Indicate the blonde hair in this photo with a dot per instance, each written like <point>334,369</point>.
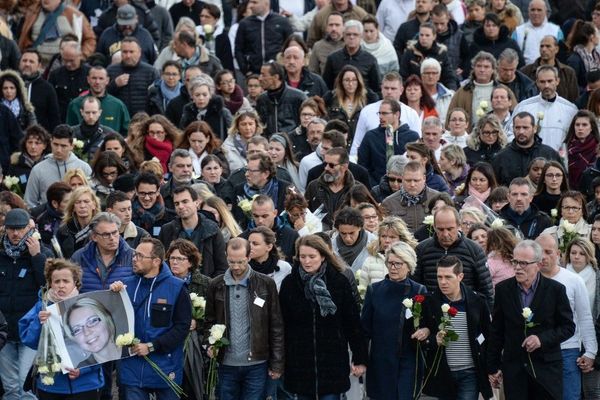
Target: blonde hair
<point>76,173</point>
<point>397,225</point>
<point>227,219</point>
<point>76,195</point>
<point>405,252</point>
<point>245,113</point>
<point>472,212</point>
<point>455,154</point>
<point>588,250</point>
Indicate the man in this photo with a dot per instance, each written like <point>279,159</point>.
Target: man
<point>148,206</point>
<point>461,362</point>
<point>584,322</point>
<point>10,54</point>
<point>298,76</point>
<point>521,86</point>
<point>175,107</point>
<point>70,79</point>
<point>332,186</point>
<point>54,166</point>
<point>521,213</point>
<point>90,131</point>
<point>567,84</point>
<point>193,226</point>
<point>180,166</point>
<point>409,29</point>
<point>144,18</point>
<point>260,36</point>
<point>52,215</point>
<point>190,53</point>
<point>554,112</point>
<point>448,240</point>
<point>350,239</point>
<point>410,202</point>
<point>529,34</point>
<point>434,137</point>
<point>119,204</point>
<point>40,93</point>
<point>186,8</point>
<point>246,302</point>
<point>391,88</point>
<point>449,34</point>
<point>306,140</point>
<point>352,54</point>
<point>330,43</point>
<point>391,182</point>
<point>162,337</point>
<point>22,259</point>
<point>345,8</point>
<point>107,257</point>
<point>130,79</point>
<point>58,19</point>
<point>431,71</point>
<point>330,140</point>
<point>528,359</point>
<point>391,14</point>
<point>114,111</point>
<point>265,214</point>
<point>375,150</point>
<point>501,106</point>
<point>279,106</point>
<point>127,25</point>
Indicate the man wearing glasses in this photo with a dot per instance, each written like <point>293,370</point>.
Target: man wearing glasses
<point>148,206</point>
<point>531,318</point>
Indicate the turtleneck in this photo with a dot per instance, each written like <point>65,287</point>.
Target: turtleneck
<point>89,130</point>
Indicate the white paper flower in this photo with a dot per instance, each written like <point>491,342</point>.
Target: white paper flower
<point>408,303</point>
<point>208,29</point>
<point>497,223</point>
<point>445,307</point>
<point>527,313</point>
<point>540,116</point>
<point>567,226</point>
<point>48,380</point>
<point>483,105</point>
<point>554,212</point>
<point>428,220</point>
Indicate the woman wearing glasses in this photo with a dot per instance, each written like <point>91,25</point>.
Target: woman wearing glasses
<point>571,208</point>
<point>156,137</point>
<point>108,166</point>
<point>552,183</point>
<point>246,124</point>
<point>390,328</point>
<point>486,140</point>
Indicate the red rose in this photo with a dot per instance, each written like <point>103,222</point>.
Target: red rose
<point>452,311</point>
<point>419,298</point>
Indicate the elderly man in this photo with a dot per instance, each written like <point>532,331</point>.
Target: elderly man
<point>345,8</point>
<point>352,54</point>
<point>330,43</point>
<point>434,137</point>
<point>554,113</point>
<point>431,72</point>
<point>522,87</point>
<point>567,85</point>
<point>448,240</point>
<point>529,35</point>
<point>298,76</point>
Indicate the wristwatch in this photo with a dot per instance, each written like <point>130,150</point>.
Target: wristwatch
<point>150,347</point>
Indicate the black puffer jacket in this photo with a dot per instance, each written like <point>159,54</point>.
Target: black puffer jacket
<point>316,347</point>
<point>383,190</point>
<point>133,94</point>
<point>312,84</point>
<point>513,160</point>
<point>217,116</point>
<point>485,153</point>
<point>477,274</point>
<point>279,110</point>
<point>175,107</point>
<point>413,56</point>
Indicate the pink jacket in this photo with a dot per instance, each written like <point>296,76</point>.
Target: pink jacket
<point>500,269</point>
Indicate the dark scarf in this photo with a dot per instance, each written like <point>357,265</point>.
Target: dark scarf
<point>236,100</point>
<point>271,189</point>
<point>267,267</point>
<point>275,95</point>
<point>316,291</point>
<point>581,156</point>
<point>409,199</point>
<point>55,218</point>
<point>161,150</point>
<point>349,253</point>
<point>14,251</point>
<point>147,218</point>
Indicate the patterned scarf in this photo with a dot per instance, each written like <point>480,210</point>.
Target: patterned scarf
<point>147,218</point>
<point>14,251</point>
<point>235,100</point>
<point>409,199</point>
<point>316,291</point>
<point>271,189</point>
<point>14,105</point>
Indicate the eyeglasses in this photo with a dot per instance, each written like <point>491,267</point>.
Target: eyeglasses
<point>384,113</point>
<point>554,176</point>
<point>228,81</point>
<point>522,264</point>
<point>490,133</point>
<point>107,235</point>
<point>89,323</point>
<point>253,170</point>
<point>109,174</point>
<point>177,260</point>
<point>147,194</point>
<point>458,120</point>
<point>331,165</point>
<point>571,209</point>
<point>141,256</point>
<point>395,264</point>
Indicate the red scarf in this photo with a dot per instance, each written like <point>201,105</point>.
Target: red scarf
<point>581,155</point>
<point>236,100</point>
<point>160,150</point>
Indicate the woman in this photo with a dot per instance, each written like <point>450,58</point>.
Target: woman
<point>582,145</point>
<point>74,232</point>
<point>265,257</point>
<point>296,212</point>
<point>479,234</point>
<point>281,152</point>
<point>206,106</point>
<point>212,172</point>
<point>509,14</point>
<point>500,245</point>
<point>311,108</point>
<point>571,208</point>
<point>232,93</point>
<point>358,194</point>
<point>107,168</point>
<point>76,178</point>
<point>85,319</point>
<point>217,42</point>
<point>371,215</point>
<point>320,328</point>
<point>379,46</point>
<point>115,142</point>
<point>165,89</point>
<point>458,123</point>
<point>534,172</point>
<point>417,97</point>
<point>393,355</point>
<point>486,140</point>
<point>63,280</point>
<point>553,182</point>
<point>390,231</point>
<point>479,184</point>
<point>200,141</point>
<point>157,137</point>
<point>245,125</point>
<point>454,164</point>
<point>14,96</point>
<point>469,217</point>
<point>348,97</point>
<point>582,42</point>
<point>34,146</point>
<point>419,152</point>
<point>228,225</point>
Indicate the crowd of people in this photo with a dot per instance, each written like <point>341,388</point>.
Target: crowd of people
<point>377,198</point>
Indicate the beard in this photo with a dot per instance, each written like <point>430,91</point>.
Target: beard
<point>329,178</point>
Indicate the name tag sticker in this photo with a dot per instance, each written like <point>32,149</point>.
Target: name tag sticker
<point>162,301</point>
<point>156,231</point>
<point>259,302</point>
<point>23,179</point>
<point>480,338</point>
<point>22,273</point>
<point>408,313</point>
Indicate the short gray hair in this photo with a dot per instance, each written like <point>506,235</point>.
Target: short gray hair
<point>508,55</point>
<point>405,252</point>
<point>317,120</point>
<point>531,244</point>
<point>484,56</point>
<point>544,68</point>
<point>432,121</point>
<point>104,217</point>
<point>352,23</point>
<point>202,80</point>
<point>181,153</point>
<point>455,153</point>
<point>396,164</point>
<point>431,63</point>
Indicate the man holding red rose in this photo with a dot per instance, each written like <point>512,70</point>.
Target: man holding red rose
<point>461,373</point>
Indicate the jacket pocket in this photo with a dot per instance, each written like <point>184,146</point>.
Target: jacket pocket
<point>160,314</point>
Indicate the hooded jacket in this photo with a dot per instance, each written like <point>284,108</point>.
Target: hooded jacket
<point>495,47</point>
<point>217,116</point>
<point>413,56</point>
<point>26,116</point>
<point>48,171</point>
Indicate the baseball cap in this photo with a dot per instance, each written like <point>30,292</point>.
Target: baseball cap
<point>126,15</point>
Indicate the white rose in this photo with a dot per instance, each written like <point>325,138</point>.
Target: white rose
<point>36,235</point>
<point>480,113</point>
<point>196,303</point>
<point>193,296</point>
<point>208,29</point>
<point>48,380</point>
<point>78,144</point>
<point>357,274</point>
<point>124,339</point>
<point>408,303</point>
<point>216,331</point>
<point>428,220</point>
<point>567,226</point>
<point>497,223</point>
<point>554,212</point>
<point>540,116</point>
<point>202,302</point>
<point>212,340</point>
<point>8,182</point>
<point>527,312</point>
<point>445,307</point>
<point>483,104</point>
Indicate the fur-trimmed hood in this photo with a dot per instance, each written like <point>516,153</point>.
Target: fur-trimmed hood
<point>21,91</point>
<point>436,48</point>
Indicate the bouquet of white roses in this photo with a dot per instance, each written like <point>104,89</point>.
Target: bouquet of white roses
<point>569,232</point>
<point>198,306</point>
<point>78,146</point>
<point>216,340</point>
<point>47,361</point>
<point>245,205</point>
<point>13,184</point>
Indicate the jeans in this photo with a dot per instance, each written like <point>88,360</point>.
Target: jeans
<point>406,376</point>
<point>571,375</point>
<point>15,361</point>
<point>324,397</point>
<point>242,383</point>
<point>591,385</point>
<point>137,393</point>
<point>466,384</point>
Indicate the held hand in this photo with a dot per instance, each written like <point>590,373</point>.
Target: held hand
<point>421,334</point>
<point>495,379</point>
<point>140,349</point>
<point>299,224</point>
<point>122,80</point>
<point>43,316</point>
<point>73,373</point>
<point>585,364</point>
<point>211,352</point>
<point>117,286</point>
<point>274,375</point>
<point>439,338</point>
<point>358,370</point>
<point>531,343</point>
<point>33,245</point>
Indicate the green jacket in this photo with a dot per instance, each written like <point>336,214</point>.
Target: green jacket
<point>114,113</point>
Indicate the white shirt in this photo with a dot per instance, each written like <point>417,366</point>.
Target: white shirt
<point>391,14</point>
<point>306,164</point>
<point>529,36</point>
